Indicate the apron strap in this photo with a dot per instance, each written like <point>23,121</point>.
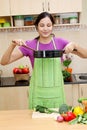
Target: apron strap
<point>55,48</point>
<point>37,48</point>
<point>54,44</point>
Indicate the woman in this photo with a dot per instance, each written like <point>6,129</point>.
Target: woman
<point>45,41</point>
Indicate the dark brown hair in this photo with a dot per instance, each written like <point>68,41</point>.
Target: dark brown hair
<point>43,15</point>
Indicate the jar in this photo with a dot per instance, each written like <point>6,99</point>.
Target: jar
<point>28,21</point>
<point>57,19</point>
<point>19,20</point>
<point>73,20</point>
<point>6,24</point>
<point>65,20</point>
<point>2,20</point>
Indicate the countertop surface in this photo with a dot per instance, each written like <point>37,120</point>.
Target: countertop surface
<point>10,81</point>
<point>22,120</point>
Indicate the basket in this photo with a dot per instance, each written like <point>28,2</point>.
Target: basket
<point>19,77</point>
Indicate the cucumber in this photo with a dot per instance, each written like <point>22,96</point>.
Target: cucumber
<point>85,115</point>
<point>81,99</point>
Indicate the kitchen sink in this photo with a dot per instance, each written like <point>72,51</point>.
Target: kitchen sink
<point>81,77</point>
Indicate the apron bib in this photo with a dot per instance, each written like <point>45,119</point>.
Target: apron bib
<point>46,84</point>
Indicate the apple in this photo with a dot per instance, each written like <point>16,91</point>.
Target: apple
<point>21,66</point>
<point>17,71</point>
<point>25,70</point>
<point>21,70</point>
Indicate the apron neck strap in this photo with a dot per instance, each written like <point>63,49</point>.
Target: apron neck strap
<point>53,42</point>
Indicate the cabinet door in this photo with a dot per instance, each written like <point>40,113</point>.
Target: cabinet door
<point>27,7</point>
<point>63,6</point>
<point>4,8</point>
<point>13,98</point>
<point>68,94</point>
<point>75,94</point>
<point>71,93</point>
<point>82,90</point>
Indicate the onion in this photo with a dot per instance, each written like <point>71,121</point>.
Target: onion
<point>60,119</point>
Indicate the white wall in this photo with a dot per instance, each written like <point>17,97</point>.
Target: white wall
<point>78,64</point>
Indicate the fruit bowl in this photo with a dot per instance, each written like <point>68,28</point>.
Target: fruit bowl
<point>21,73</point>
<point>19,77</point>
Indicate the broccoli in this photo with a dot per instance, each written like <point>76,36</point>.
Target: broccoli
<point>63,108</point>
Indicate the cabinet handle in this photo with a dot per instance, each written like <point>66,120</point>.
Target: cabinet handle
<point>48,6</point>
<point>43,6</point>
<point>81,92</point>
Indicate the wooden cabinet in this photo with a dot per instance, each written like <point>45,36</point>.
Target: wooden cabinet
<point>10,8</point>
<point>63,6</point>
<point>4,8</point>
<point>68,94</point>
<point>28,7</point>
<point>75,91</point>
<point>71,94</point>
<point>17,97</point>
<point>14,98</point>
<point>83,90</point>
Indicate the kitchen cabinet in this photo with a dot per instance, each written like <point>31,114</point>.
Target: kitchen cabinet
<point>71,94</point>
<point>29,7</point>
<point>63,6</point>
<point>82,90</point>
<point>4,8</point>
<point>10,8</point>
<point>14,98</point>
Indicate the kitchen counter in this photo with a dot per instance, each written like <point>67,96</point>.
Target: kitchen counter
<point>10,81</point>
<point>22,120</point>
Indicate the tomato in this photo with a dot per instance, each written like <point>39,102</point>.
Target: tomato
<point>69,116</point>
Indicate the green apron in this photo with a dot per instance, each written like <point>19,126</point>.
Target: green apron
<point>46,84</point>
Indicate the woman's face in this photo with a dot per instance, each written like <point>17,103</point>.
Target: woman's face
<point>45,27</point>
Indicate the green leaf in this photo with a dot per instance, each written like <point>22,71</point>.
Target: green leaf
<point>66,62</point>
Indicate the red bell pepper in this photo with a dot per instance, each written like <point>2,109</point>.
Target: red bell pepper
<point>68,116</point>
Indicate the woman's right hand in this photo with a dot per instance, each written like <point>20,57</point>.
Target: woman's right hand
<point>18,42</point>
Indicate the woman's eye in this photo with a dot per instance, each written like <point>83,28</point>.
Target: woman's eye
<point>49,25</point>
<point>41,25</point>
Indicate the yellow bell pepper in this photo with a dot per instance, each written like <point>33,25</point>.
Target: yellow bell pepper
<point>78,110</point>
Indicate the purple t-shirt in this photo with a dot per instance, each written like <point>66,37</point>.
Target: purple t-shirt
<point>59,42</point>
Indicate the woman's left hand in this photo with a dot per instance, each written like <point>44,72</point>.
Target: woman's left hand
<point>70,47</point>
